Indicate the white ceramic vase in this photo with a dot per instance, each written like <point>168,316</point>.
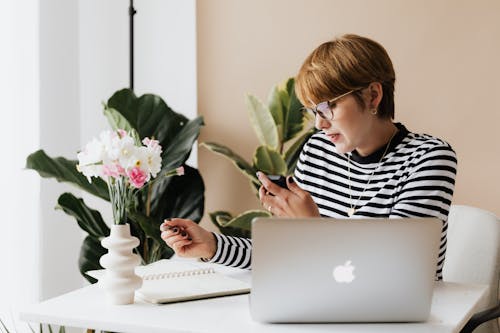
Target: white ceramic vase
<point>120,280</point>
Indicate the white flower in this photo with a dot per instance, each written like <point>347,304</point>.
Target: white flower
<point>115,154</point>
<point>90,159</point>
<point>125,152</point>
<point>153,154</point>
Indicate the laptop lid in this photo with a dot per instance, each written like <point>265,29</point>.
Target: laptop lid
<point>333,270</point>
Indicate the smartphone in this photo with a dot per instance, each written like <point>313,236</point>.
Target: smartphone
<point>278,180</point>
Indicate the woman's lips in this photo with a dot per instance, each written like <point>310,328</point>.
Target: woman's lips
<point>334,137</point>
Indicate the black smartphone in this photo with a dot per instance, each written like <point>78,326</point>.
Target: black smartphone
<point>278,180</point>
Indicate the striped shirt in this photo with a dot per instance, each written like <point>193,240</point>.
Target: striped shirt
<point>415,178</point>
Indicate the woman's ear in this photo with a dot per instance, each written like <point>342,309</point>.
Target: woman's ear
<point>376,93</point>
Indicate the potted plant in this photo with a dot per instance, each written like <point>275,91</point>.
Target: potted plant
<point>281,127</point>
<point>148,116</point>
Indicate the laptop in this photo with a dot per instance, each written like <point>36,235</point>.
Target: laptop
<point>334,270</point>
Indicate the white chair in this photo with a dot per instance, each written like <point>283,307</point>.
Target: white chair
<point>473,256</point>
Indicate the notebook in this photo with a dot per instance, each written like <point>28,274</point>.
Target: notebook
<point>330,270</point>
<point>169,281</point>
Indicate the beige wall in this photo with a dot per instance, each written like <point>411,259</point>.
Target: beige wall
<point>446,55</point>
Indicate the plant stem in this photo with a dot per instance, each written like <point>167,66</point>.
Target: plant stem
<point>148,213</point>
<point>148,200</point>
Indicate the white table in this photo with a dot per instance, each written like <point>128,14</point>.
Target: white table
<point>452,305</point>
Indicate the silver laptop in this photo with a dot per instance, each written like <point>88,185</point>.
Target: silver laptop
<point>331,270</point>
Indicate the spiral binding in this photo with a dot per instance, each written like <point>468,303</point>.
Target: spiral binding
<point>169,275</point>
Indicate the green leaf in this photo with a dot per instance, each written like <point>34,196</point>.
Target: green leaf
<point>179,196</point>
<point>294,111</point>
<point>149,225</point>
<point>293,152</point>
<point>153,118</point>
<point>276,109</point>
<point>244,220</point>
<point>263,122</point>
<point>269,161</point>
<point>219,217</point>
<point>88,219</point>
<point>91,221</point>
<point>90,253</point>
<point>117,121</point>
<point>146,113</point>
<point>176,154</point>
<point>248,170</point>
<point>64,170</point>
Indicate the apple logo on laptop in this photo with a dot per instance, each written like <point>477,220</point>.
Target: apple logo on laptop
<point>344,273</point>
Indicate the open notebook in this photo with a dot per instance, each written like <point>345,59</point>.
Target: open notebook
<point>169,281</point>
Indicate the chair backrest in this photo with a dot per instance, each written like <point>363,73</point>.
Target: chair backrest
<point>473,253</point>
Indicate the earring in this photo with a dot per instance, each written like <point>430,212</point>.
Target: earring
<point>374,111</point>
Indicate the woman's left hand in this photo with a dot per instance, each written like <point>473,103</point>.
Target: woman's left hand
<point>291,202</point>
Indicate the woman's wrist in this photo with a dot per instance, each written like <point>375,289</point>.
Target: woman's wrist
<point>212,248</point>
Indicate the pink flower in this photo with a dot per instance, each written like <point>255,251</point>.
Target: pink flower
<point>113,170</point>
<point>137,177</point>
<point>180,171</point>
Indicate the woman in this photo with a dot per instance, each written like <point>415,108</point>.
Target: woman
<point>360,163</point>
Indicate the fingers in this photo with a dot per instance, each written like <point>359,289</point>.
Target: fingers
<point>265,199</point>
<point>176,238</point>
<point>174,235</point>
<point>173,230</point>
<point>176,222</point>
<point>292,186</point>
<point>269,185</point>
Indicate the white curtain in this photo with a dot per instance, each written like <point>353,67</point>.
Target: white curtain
<point>19,271</point>
<point>59,59</point>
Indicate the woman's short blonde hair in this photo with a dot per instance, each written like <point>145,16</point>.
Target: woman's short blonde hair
<point>343,64</point>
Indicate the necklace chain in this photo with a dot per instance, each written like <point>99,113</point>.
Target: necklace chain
<point>352,210</point>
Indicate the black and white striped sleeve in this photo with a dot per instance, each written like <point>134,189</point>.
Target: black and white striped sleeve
<point>232,251</point>
<point>428,190</point>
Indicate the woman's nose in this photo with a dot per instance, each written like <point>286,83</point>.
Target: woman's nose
<point>321,123</point>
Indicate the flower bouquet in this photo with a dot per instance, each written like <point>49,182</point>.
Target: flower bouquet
<point>126,166</point>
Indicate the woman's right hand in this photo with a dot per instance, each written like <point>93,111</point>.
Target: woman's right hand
<point>188,239</point>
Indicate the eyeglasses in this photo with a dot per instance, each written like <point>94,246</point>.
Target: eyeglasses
<point>325,109</point>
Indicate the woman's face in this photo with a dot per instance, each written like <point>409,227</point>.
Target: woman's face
<point>351,125</point>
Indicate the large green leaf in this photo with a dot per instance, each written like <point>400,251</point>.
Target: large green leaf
<point>276,108</point>
<point>117,121</point>
<point>219,217</point>
<point>286,110</point>
<point>88,219</point>
<point>179,196</point>
<point>64,170</point>
<point>248,170</point>
<point>149,225</point>
<point>176,154</point>
<point>263,122</point>
<point>244,221</point>
<point>269,161</point>
<point>90,253</point>
<point>294,111</point>
<point>153,118</point>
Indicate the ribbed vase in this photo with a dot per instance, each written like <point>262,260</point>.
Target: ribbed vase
<point>120,280</point>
